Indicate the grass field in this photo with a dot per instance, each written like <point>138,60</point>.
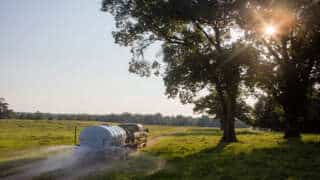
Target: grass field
<point>185,152</point>
<point>17,136</point>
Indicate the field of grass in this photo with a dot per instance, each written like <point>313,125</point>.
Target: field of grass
<point>18,136</point>
<point>185,152</point>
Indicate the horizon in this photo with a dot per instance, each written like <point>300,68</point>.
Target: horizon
<point>121,113</point>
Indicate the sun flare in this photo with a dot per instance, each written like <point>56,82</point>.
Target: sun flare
<point>270,30</point>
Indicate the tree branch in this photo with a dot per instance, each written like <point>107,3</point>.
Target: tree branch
<point>272,51</point>
<point>211,41</point>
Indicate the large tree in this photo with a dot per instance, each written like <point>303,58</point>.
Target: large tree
<point>287,34</point>
<point>198,52</point>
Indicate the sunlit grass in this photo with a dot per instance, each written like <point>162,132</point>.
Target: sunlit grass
<point>188,152</point>
<point>196,154</point>
<point>18,137</point>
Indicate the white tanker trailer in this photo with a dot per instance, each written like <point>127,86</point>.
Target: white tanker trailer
<point>114,137</point>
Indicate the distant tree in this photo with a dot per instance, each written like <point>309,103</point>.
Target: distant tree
<point>197,49</point>
<point>287,34</point>
<point>312,120</point>
<point>38,115</point>
<point>5,112</point>
<point>211,105</point>
<point>268,114</point>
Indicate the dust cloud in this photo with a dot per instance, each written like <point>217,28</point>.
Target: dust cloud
<point>74,162</point>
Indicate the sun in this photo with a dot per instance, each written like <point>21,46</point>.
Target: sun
<point>270,30</point>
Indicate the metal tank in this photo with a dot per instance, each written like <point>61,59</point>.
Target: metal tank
<point>102,137</point>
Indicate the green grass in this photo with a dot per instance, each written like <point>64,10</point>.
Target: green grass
<point>23,138</point>
<point>19,136</point>
<point>197,154</point>
<point>182,152</point>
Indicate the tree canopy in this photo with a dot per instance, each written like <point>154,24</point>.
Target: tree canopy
<point>198,52</point>
<point>290,55</point>
<point>204,63</point>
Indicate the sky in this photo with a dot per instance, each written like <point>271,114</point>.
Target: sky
<point>59,56</point>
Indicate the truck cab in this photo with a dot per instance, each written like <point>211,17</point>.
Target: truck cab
<point>136,135</point>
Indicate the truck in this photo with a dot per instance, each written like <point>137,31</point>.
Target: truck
<point>104,137</point>
<point>137,135</point>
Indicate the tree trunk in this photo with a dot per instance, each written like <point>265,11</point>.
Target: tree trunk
<point>229,134</point>
<point>292,122</point>
<point>293,100</point>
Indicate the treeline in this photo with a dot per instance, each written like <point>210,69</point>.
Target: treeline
<point>151,119</point>
<point>266,114</point>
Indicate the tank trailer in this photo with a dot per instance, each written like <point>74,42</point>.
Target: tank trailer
<point>106,137</point>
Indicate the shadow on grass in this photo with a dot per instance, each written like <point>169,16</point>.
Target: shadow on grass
<point>291,160</point>
<point>288,160</point>
<point>209,132</point>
